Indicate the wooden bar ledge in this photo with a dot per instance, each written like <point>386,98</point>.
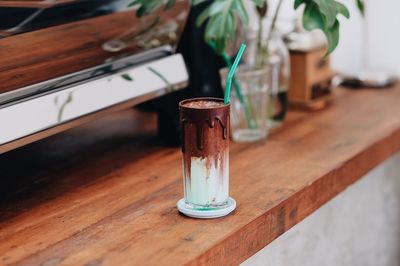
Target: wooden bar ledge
<point>105,193</point>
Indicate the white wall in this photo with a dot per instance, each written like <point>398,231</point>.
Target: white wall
<point>378,35</point>
<point>359,227</point>
<point>381,42</point>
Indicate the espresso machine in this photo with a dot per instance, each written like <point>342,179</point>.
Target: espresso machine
<point>68,62</point>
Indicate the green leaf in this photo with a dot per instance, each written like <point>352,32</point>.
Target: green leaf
<point>298,3</point>
<point>127,77</point>
<point>213,9</point>
<point>170,87</point>
<point>232,22</point>
<point>221,17</point>
<point>361,6</point>
<point>312,17</point>
<point>328,10</point>
<point>202,17</point>
<point>332,35</point>
<point>239,8</point>
<point>216,8</point>
<point>322,15</point>
<point>258,2</point>
<point>342,9</point>
<point>141,11</point>
<point>217,31</point>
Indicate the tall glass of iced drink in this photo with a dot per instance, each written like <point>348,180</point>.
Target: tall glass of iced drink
<point>205,148</point>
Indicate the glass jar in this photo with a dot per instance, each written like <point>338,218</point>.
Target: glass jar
<point>205,150</point>
<point>271,52</point>
<point>279,62</point>
<point>249,103</point>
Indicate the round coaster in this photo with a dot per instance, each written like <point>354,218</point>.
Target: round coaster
<point>206,214</point>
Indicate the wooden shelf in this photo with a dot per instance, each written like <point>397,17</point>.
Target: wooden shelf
<point>105,193</point>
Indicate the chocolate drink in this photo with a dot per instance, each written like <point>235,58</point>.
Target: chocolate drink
<point>205,148</point>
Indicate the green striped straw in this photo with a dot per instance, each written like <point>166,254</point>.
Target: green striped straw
<point>232,73</point>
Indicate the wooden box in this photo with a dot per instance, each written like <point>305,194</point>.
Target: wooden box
<point>310,78</point>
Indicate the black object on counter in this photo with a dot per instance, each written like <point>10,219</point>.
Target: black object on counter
<point>369,80</point>
<point>204,81</point>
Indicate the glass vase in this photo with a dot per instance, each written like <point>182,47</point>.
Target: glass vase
<point>205,150</point>
<point>249,103</point>
<point>279,64</point>
<point>271,52</point>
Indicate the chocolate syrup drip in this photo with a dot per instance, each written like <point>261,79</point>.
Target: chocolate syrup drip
<point>200,118</point>
<point>205,135</point>
<point>224,128</point>
<point>183,123</point>
<point>199,136</point>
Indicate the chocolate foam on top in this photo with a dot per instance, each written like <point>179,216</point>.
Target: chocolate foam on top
<point>204,130</point>
<point>201,104</point>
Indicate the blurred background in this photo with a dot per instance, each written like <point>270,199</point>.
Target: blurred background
<point>371,41</point>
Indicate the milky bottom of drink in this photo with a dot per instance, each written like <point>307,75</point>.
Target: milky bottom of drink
<point>208,183</point>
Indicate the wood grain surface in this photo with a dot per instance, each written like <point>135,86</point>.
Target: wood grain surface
<point>105,193</point>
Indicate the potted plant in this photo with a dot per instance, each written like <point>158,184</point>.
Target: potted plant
<point>221,17</point>
<point>219,21</point>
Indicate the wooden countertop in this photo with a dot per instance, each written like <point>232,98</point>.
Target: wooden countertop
<point>105,193</point>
